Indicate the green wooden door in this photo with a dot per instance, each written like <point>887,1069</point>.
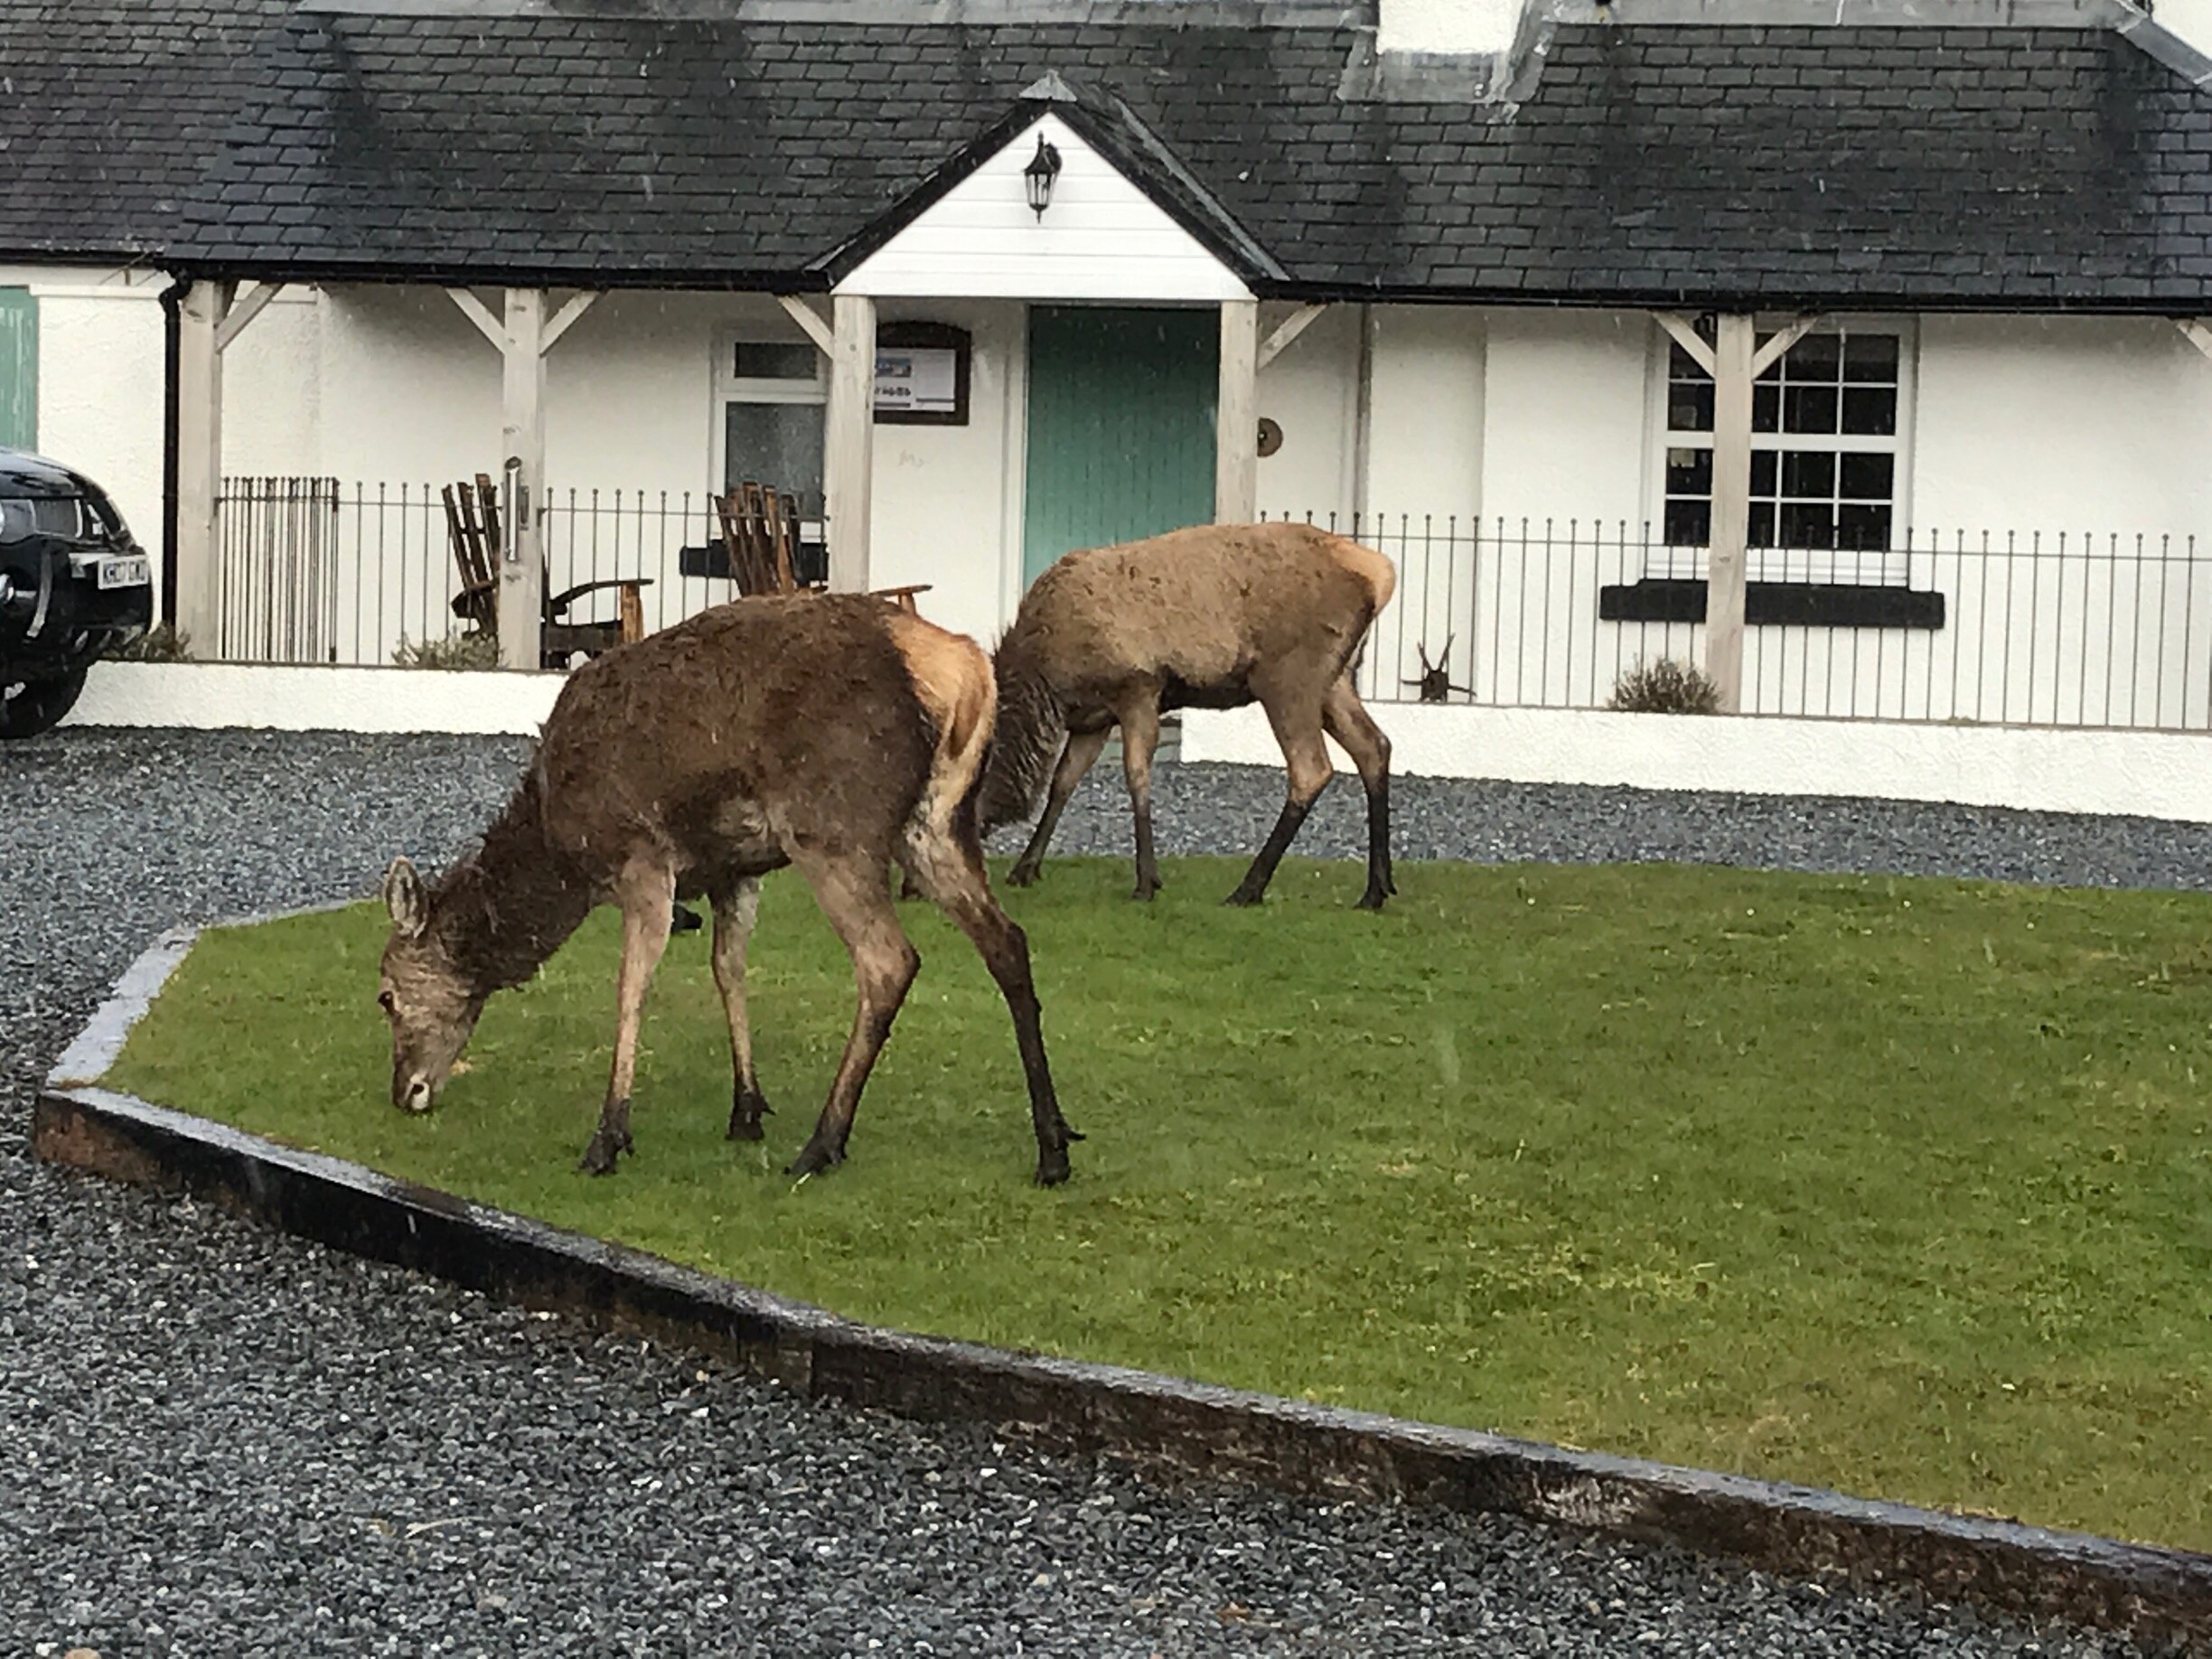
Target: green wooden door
<point>18,368</point>
<point>1120,427</point>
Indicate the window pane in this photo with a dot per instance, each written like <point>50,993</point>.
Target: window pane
<point>1870,411</point>
<point>761,361</point>
<point>1765,409</point>
<point>1690,406</point>
<point>1816,357</point>
<point>1762,525</point>
<point>1809,408</point>
<point>1689,524</point>
<point>1867,478</point>
<point>1762,472</point>
<point>1681,366</point>
<point>779,444</point>
<point>1871,357</point>
<point>1808,471</point>
<point>1807,525</point>
<point>1689,472</point>
<point>1862,528</point>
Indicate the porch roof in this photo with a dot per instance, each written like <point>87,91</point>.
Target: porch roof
<point>1674,164</point>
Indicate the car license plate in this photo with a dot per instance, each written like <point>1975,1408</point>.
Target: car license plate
<point>136,572</point>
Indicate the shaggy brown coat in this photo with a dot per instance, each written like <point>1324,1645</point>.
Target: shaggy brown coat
<point>1215,616</point>
<point>832,733</point>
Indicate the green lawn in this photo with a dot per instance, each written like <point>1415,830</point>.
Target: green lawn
<point>1898,1186</point>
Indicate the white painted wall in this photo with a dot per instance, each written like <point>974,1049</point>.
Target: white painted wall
<point>100,380</point>
<point>1101,239</point>
<point>269,698</point>
<point>2080,424</point>
<point>947,506</point>
<point>2156,774</point>
<point>1311,390</point>
<point>1446,26</point>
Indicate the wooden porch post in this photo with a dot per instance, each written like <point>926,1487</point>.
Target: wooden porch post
<point>1237,428</point>
<point>1732,509</point>
<point>210,317</point>
<point>521,578</point>
<point>848,453</point>
<point>198,551</point>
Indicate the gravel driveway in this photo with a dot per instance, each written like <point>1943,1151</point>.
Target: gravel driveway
<point>220,1440</point>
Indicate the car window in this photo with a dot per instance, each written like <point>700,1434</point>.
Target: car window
<point>42,516</point>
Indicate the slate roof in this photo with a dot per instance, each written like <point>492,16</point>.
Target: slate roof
<point>1670,164</point>
<point>106,112</point>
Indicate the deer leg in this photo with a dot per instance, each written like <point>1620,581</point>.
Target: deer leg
<point>1306,753</point>
<point>855,896</point>
<point>1346,718</point>
<point>948,863</point>
<point>735,907</point>
<point>1139,718</point>
<point>1083,751</point>
<point>647,894</point>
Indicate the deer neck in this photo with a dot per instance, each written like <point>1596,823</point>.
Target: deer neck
<point>513,901</point>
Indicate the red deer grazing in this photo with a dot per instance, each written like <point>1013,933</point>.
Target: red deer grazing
<point>1212,617</point>
<point>834,732</point>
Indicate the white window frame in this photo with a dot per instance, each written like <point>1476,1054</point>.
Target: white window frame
<point>1807,565</point>
<point>730,387</point>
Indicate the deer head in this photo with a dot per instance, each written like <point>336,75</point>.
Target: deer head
<point>431,1008</point>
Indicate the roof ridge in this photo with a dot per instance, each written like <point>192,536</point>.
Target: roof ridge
<point>1197,14</point>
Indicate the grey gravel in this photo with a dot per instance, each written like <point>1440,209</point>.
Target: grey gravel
<point>219,1439</point>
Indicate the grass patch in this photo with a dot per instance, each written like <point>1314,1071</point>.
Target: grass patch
<point>1898,1186</point>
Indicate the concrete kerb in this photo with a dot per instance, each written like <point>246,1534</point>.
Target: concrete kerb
<point>1169,1427</point>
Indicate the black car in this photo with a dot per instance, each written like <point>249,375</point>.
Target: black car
<point>74,586</point>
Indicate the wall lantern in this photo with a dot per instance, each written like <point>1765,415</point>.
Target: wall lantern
<point>1039,175</point>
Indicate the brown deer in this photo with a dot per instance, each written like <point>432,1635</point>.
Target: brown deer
<point>1216,616</point>
<point>832,733</point>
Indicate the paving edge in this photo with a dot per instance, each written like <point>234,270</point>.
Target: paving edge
<point>1167,1425</point>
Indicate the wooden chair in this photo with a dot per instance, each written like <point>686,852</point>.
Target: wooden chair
<point>473,527</point>
<point>760,532</point>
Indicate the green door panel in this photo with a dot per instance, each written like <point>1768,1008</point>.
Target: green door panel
<point>1120,427</point>
<point>18,368</point>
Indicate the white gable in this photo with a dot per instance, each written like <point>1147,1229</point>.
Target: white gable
<point>1102,238</point>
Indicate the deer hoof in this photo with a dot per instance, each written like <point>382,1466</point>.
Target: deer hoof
<point>1242,899</point>
<point>815,1158</point>
<point>1022,875</point>
<point>1373,898</point>
<point>1052,1166</point>
<point>747,1111</point>
<point>599,1157</point>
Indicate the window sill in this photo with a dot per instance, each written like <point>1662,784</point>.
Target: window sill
<point>1792,605</point>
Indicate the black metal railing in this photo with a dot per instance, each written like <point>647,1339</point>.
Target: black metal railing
<point>2060,628</point>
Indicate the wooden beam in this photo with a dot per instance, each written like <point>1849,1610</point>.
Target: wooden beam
<point>198,551</point>
<point>1769,354</point>
<point>1287,331</point>
<point>478,312</point>
<point>2198,333</point>
<point>1687,337</point>
<point>848,448</point>
<point>251,300</point>
<point>1730,541</point>
<point>565,318</point>
<point>1236,429</point>
<point>521,572</point>
<point>811,320</point>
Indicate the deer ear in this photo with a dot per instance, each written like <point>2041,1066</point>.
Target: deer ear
<point>406,898</point>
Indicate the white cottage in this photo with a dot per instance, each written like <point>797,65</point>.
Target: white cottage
<point>1887,311</point>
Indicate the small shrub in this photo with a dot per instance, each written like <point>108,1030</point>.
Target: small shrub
<point>467,650</point>
<point>1666,686</point>
<point>160,644</point>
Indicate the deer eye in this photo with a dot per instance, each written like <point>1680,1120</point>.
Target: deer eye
<point>384,1001</point>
